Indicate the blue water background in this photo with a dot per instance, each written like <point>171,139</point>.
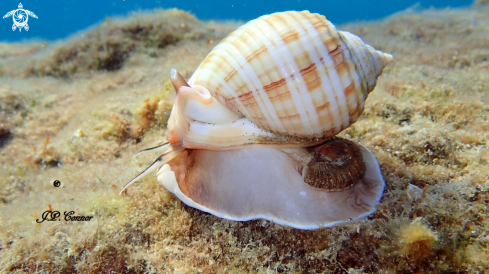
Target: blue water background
<point>60,19</point>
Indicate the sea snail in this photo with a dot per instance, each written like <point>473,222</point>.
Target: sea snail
<point>252,133</point>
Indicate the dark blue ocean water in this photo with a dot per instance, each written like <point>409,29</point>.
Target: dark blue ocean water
<point>59,19</point>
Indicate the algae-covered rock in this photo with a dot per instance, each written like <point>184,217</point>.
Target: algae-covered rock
<point>109,97</point>
<point>108,45</point>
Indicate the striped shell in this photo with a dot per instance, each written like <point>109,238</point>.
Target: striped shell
<point>292,73</point>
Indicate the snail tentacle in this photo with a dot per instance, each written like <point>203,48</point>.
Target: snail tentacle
<point>171,153</point>
<point>160,148</point>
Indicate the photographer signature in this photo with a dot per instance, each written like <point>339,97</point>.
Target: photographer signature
<point>50,215</point>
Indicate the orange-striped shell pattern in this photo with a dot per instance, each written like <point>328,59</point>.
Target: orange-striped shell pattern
<point>292,73</point>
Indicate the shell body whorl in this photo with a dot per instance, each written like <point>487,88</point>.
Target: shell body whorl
<point>293,74</point>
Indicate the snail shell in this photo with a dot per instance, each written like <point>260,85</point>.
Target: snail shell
<point>288,78</point>
<point>289,82</point>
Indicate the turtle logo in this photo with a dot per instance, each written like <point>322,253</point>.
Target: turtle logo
<point>20,17</point>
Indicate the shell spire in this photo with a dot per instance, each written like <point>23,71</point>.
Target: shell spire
<point>369,62</point>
